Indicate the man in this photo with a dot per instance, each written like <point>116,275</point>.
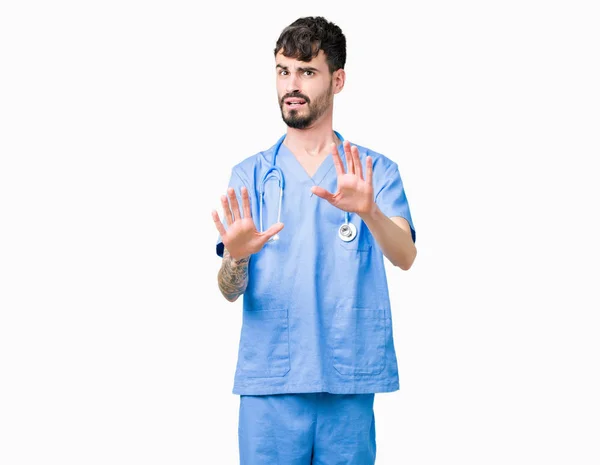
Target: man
<point>316,341</point>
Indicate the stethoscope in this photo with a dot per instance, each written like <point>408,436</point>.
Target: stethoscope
<point>346,232</point>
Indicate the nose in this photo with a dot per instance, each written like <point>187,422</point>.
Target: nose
<point>292,84</point>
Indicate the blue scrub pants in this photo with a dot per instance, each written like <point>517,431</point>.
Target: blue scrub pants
<point>307,429</point>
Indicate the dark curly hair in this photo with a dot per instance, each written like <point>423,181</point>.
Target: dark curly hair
<point>304,38</point>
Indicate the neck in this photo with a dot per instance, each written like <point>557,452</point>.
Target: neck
<point>312,141</point>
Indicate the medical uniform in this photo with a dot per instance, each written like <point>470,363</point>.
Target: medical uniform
<point>316,311</point>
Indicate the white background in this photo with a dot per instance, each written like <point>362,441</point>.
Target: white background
<point>120,122</point>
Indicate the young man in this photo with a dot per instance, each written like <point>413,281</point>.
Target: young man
<point>316,341</point>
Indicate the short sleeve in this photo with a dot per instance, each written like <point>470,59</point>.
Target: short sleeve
<point>390,196</point>
<point>236,182</point>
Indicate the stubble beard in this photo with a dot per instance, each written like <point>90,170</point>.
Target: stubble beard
<point>316,109</point>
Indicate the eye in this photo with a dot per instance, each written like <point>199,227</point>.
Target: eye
<point>283,72</point>
<point>308,73</point>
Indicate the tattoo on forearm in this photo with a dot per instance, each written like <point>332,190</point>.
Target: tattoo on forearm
<point>232,277</point>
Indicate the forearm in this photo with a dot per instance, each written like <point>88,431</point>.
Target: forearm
<point>232,277</point>
<point>395,242</point>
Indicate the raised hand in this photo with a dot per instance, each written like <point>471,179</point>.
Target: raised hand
<point>354,192</point>
<point>241,238</point>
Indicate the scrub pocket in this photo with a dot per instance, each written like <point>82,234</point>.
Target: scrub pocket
<point>358,341</point>
<point>264,344</point>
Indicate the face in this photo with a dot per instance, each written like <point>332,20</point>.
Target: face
<point>305,89</point>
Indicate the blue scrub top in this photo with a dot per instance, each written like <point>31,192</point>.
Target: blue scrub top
<point>316,312</point>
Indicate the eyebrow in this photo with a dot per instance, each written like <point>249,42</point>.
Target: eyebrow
<point>301,69</point>
<point>308,68</point>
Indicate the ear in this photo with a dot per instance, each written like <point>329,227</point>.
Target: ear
<point>339,79</point>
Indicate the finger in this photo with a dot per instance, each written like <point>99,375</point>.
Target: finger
<point>349,163</point>
<point>226,210</point>
<point>218,224</point>
<point>369,163</point>
<point>337,161</point>
<point>235,207</point>
<point>323,193</point>
<point>269,233</point>
<point>246,203</point>
<point>357,163</point>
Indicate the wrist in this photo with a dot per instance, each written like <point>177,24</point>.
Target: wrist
<point>240,261</point>
<point>371,214</point>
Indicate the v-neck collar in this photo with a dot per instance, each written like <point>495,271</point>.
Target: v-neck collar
<point>297,170</point>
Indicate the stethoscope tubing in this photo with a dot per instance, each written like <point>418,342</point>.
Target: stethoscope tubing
<point>346,232</point>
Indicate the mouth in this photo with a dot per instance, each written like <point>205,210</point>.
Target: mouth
<point>294,103</point>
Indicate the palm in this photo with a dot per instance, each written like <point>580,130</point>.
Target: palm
<point>354,192</point>
<point>241,238</point>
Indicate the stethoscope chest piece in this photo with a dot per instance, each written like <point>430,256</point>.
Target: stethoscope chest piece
<point>347,232</point>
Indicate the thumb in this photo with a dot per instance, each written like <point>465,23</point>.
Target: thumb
<point>323,193</point>
<point>272,231</point>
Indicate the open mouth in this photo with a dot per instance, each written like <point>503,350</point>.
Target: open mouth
<point>294,102</point>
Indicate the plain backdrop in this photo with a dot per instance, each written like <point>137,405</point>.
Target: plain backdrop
<point>119,124</point>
